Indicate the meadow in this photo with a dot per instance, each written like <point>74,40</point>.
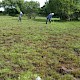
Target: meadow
<point>32,48</point>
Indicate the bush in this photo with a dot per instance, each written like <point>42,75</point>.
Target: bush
<point>11,12</point>
<point>75,16</point>
<point>64,16</point>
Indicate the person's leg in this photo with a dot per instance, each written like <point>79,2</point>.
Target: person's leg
<point>20,18</point>
<point>46,20</point>
<point>50,20</point>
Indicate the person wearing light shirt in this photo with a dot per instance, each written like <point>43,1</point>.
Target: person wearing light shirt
<point>20,16</point>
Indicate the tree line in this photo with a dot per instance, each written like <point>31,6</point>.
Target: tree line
<point>13,7</point>
<point>64,9</point>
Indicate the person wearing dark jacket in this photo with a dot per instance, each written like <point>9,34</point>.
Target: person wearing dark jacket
<point>49,17</point>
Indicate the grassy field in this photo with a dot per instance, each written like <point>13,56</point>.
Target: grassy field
<point>31,48</point>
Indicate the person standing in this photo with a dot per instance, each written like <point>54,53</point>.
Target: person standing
<point>49,17</point>
<point>20,16</point>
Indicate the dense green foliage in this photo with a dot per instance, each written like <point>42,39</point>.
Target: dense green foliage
<point>31,48</point>
<point>65,9</point>
<point>13,7</point>
<point>31,8</point>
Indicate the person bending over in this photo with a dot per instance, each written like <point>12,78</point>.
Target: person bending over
<point>49,17</point>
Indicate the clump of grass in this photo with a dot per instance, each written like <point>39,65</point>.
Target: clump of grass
<point>67,77</point>
<point>76,73</point>
<point>27,76</point>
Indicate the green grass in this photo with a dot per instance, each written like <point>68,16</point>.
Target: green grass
<point>31,48</point>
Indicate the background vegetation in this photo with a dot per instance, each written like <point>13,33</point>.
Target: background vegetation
<point>64,9</point>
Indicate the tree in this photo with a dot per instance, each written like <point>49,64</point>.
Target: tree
<point>63,8</point>
<point>12,6</point>
<point>31,8</point>
<point>45,9</point>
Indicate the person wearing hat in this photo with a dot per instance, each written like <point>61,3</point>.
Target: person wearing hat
<point>49,17</point>
<point>20,16</point>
